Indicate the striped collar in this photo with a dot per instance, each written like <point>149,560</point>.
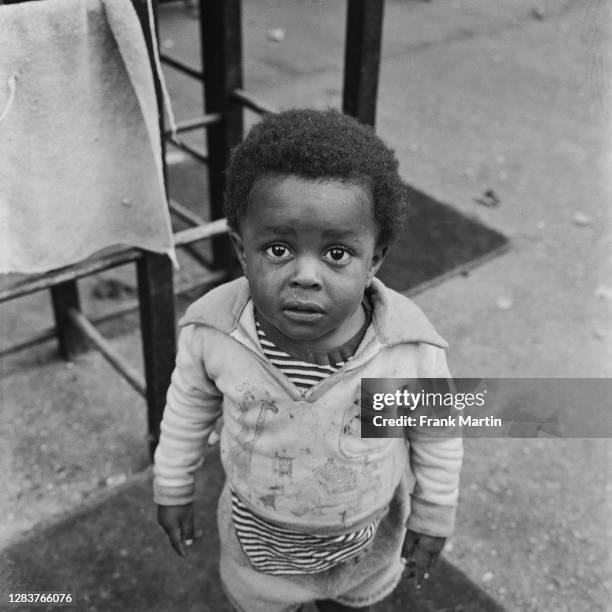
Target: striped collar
<point>331,357</point>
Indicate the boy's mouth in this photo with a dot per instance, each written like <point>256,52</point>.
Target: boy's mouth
<point>303,311</point>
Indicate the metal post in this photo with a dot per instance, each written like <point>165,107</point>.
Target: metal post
<point>156,298</point>
<point>221,44</point>
<point>65,296</point>
<point>364,20</point>
<point>155,288</point>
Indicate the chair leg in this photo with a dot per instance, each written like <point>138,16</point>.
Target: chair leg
<point>65,296</point>
<point>156,297</point>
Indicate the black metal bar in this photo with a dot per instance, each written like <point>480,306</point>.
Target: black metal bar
<point>196,123</point>
<point>107,351</point>
<point>50,279</point>
<point>181,66</point>
<point>156,298</point>
<point>183,146</point>
<point>154,272</point>
<point>364,22</point>
<point>221,43</point>
<point>251,102</point>
<point>111,260</point>
<point>65,296</point>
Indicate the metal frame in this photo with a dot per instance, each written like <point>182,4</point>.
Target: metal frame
<point>224,102</point>
<point>155,292</point>
<point>364,21</point>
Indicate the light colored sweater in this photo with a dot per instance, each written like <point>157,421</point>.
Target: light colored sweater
<point>295,457</point>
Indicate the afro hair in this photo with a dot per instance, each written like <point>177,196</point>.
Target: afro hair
<point>317,145</point>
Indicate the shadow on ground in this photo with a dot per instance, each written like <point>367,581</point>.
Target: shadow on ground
<point>113,556</point>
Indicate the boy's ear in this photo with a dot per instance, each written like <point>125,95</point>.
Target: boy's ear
<point>378,257</point>
<point>238,243</point>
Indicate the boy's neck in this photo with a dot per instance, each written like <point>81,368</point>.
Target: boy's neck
<point>327,356</point>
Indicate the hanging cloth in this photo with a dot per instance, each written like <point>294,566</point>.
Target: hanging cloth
<point>80,155</point>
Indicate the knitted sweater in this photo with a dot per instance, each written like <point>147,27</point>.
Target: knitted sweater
<point>295,456</point>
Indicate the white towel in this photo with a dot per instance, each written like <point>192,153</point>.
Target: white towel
<point>80,160</point>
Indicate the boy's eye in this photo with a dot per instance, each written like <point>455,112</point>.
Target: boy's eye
<point>337,255</point>
<point>278,251</point>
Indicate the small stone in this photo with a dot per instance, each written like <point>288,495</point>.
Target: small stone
<point>126,202</point>
<point>276,34</point>
<point>582,219</point>
<point>603,292</point>
<point>449,547</point>
<point>537,12</point>
<point>487,577</point>
<point>504,303</point>
<point>599,334</point>
<point>489,198</point>
<point>116,479</point>
<point>123,552</point>
<point>541,225</point>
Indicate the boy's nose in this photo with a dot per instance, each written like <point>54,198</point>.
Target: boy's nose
<point>306,273</point>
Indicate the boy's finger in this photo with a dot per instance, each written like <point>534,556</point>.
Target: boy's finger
<point>175,539</point>
<point>408,545</point>
<point>422,564</point>
<point>188,532</point>
<point>433,559</point>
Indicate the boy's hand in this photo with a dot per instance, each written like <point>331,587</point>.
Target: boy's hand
<point>177,522</point>
<point>421,553</point>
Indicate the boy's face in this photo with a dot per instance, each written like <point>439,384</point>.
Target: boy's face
<point>309,249</point>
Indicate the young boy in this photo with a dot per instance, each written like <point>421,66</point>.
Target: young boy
<point>310,510</point>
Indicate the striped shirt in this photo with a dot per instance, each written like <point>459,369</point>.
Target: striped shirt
<point>302,374</point>
<point>273,549</point>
